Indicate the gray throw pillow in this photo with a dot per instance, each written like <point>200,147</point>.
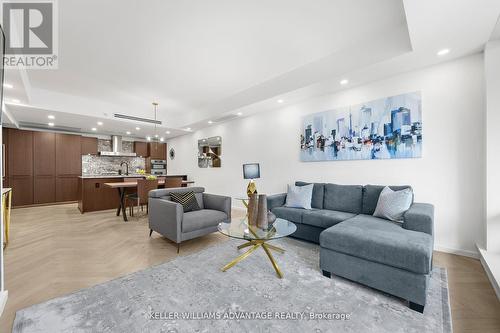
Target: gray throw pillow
<point>299,196</point>
<point>392,205</point>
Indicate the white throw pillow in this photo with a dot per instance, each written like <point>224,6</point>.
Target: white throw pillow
<point>299,196</point>
<point>392,205</point>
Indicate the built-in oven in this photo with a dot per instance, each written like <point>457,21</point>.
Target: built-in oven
<point>158,167</point>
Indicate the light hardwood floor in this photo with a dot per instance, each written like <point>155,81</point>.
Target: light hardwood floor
<point>55,250</point>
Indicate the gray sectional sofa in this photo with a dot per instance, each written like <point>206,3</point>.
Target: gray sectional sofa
<point>392,257</point>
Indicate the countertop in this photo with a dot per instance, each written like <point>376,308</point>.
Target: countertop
<point>122,176</point>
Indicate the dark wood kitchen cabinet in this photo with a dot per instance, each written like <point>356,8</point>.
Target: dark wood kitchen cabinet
<point>44,167</point>
<point>68,166</point>
<point>157,151</point>
<point>67,188</point>
<point>20,152</point>
<point>20,166</point>
<point>95,196</point>
<point>68,154</point>
<point>22,194</point>
<point>44,189</point>
<point>89,145</point>
<point>141,148</point>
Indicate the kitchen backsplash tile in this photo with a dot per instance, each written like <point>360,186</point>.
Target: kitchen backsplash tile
<point>101,165</point>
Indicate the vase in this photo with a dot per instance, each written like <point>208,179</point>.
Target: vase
<point>271,217</point>
<point>262,212</point>
<point>252,210</point>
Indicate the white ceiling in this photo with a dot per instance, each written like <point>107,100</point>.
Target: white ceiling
<point>29,117</point>
<point>203,60</point>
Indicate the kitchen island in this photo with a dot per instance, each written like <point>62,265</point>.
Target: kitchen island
<point>94,196</point>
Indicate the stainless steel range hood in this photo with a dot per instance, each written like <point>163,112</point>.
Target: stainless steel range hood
<point>116,143</point>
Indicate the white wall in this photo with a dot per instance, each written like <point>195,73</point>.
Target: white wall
<point>492,71</point>
<point>451,173</point>
<point>490,252</point>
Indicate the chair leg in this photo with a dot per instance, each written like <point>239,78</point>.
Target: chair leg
<point>178,247</point>
<point>150,232</point>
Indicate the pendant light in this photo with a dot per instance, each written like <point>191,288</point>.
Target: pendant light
<point>155,138</point>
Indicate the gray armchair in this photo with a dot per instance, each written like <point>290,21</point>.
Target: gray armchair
<point>168,218</point>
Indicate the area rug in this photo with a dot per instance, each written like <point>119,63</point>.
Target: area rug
<point>192,294</point>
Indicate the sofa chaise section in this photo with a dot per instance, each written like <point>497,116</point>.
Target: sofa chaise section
<point>380,254</point>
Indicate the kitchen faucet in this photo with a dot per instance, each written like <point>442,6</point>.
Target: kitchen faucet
<point>126,164</point>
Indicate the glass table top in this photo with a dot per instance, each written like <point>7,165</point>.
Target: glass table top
<point>239,228</point>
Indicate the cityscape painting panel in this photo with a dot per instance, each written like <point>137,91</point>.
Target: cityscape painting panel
<point>386,128</point>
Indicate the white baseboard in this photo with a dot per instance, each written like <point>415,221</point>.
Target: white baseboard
<point>3,300</point>
<point>484,262</point>
<point>465,253</point>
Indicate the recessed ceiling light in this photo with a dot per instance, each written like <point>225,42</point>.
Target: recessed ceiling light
<point>443,52</point>
<point>99,123</point>
<point>161,139</point>
<point>280,101</point>
<point>210,122</point>
<point>156,135</point>
<point>188,129</point>
<point>8,85</point>
<point>15,100</point>
<point>137,128</point>
<point>167,132</point>
<point>128,133</point>
<point>148,138</point>
<point>50,124</point>
<point>51,116</point>
<point>344,82</point>
<point>239,114</point>
<point>94,129</point>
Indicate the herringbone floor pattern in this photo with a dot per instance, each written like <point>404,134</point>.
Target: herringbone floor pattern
<point>55,250</point>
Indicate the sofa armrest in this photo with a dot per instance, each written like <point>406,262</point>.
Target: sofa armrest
<point>420,217</point>
<point>276,200</point>
<point>165,217</point>
<point>218,202</point>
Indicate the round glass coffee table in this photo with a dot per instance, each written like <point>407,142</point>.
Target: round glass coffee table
<point>243,199</point>
<point>257,237</point>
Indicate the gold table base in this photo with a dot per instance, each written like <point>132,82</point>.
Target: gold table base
<point>255,244</point>
<point>6,205</point>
